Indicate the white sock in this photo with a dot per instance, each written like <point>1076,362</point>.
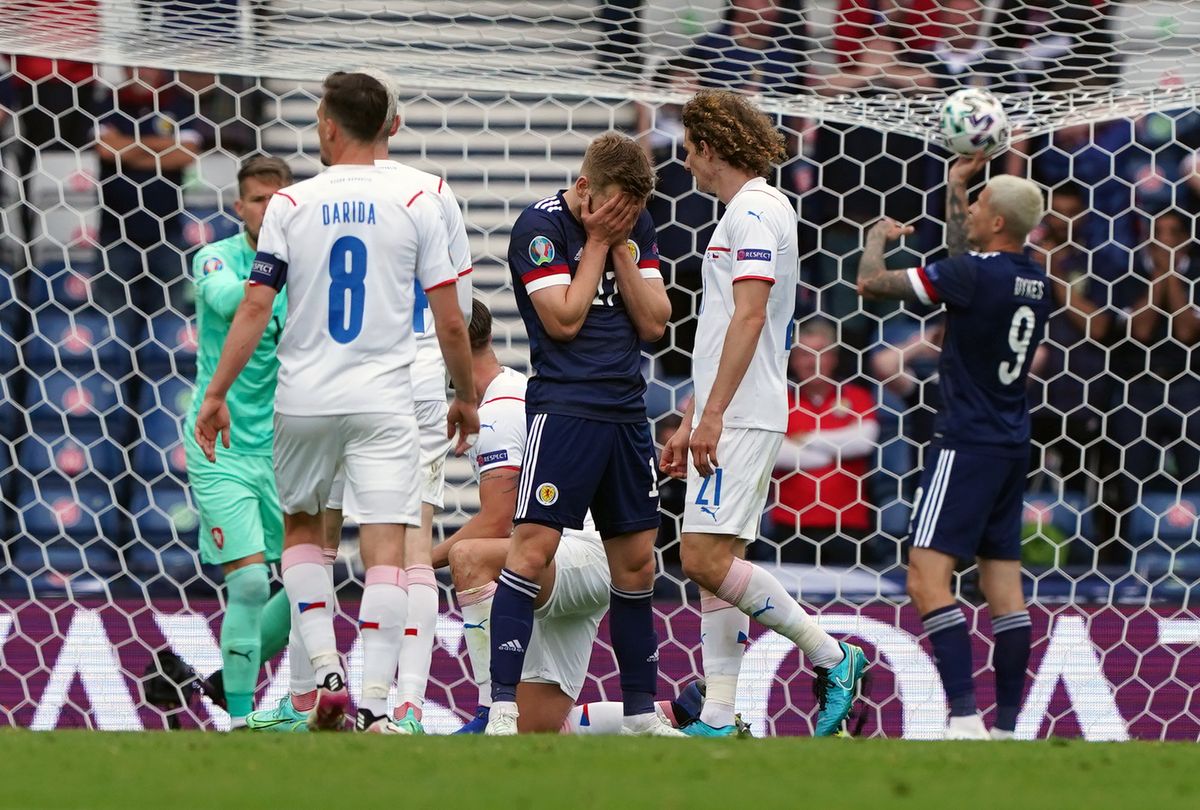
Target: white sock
<point>605,717</point>
<point>381,625</point>
<point>476,606</point>
<point>416,647</point>
<point>310,592</point>
<point>301,676</point>
<point>724,632</point>
<point>763,598</point>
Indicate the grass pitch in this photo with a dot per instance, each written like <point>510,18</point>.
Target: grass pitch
<point>174,771</point>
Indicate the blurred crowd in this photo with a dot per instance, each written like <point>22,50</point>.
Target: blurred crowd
<point>1116,396</point>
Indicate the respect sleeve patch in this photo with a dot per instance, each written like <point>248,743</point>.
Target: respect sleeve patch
<point>494,457</point>
<point>753,255</point>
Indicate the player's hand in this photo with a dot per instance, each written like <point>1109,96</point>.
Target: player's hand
<point>967,167</point>
<point>612,222</point>
<point>463,418</point>
<point>704,445</point>
<point>890,229</point>
<point>675,452</point>
<point>211,422</point>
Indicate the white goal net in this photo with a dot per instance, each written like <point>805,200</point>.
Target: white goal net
<point>100,569</point>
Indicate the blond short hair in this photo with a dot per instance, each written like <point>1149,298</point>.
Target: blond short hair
<point>1019,201</point>
<point>613,159</point>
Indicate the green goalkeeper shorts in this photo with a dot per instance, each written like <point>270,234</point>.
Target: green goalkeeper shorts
<point>239,506</point>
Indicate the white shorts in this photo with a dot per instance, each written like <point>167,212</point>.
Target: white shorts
<point>431,422</point>
<point>564,629</point>
<point>731,500</point>
<point>431,427</point>
<point>377,451</point>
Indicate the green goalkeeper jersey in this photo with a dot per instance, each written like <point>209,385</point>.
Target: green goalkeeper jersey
<point>220,271</point>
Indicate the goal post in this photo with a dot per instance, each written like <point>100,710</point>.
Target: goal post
<point>100,569</point>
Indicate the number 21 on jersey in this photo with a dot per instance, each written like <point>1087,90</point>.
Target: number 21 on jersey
<point>347,288</point>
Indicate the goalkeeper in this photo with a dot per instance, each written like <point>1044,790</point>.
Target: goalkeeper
<point>241,521</point>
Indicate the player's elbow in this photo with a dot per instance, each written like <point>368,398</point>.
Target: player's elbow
<point>652,332</point>
<point>255,308</point>
<point>751,321</point>
<point>865,291</point>
<point>495,517</point>
<point>563,331</point>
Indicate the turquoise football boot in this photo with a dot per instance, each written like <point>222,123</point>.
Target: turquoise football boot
<point>410,723</point>
<point>284,717</point>
<point>837,688</point>
<point>698,728</point>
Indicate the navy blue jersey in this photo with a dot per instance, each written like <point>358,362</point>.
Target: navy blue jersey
<point>596,375</point>
<point>996,310</point>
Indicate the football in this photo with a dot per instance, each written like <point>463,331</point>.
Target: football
<point>972,120</point>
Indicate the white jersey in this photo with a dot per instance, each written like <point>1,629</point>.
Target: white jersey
<point>350,249</point>
<point>502,432</point>
<point>755,239</point>
<point>429,369</point>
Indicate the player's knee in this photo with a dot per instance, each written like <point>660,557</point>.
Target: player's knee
<point>924,591</point>
<point>248,587</point>
<point>633,571</point>
<point>530,556</point>
<point>698,566</point>
<point>464,562</point>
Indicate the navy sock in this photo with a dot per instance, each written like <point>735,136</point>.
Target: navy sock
<point>1010,659</point>
<point>947,631</point>
<point>512,625</point>
<point>635,643</point>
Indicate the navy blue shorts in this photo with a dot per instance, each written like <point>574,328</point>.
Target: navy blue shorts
<point>970,505</point>
<point>574,464</point>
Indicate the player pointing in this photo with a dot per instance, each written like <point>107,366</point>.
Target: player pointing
<point>349,244</point>
<point>970,499</point>
<point>585,267</point>
<point>738,416</point>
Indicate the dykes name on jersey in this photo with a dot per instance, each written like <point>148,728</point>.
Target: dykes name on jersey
<point>1030,288</point>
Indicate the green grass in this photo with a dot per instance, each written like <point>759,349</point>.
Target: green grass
<point>180,770</point>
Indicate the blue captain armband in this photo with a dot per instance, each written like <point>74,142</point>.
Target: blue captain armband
<point>269,271</point>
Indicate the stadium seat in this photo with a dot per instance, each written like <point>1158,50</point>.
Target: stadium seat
<point>157,464</point>
<point>60,287</point>
<point>894,472</point>
<point>666,395</point>
<point>66,526</point>
<point>213,223</point>
<point>1165,535</point>
<point>9,360</point>
<point>80,340</point>
<point>81,450</point>
<point>162,408</point>
<point>165,524</point>
<point>169,348</point>
<point>1070,513</point>
<point>89,398</point>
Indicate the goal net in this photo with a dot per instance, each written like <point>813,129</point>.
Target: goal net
<point>100,569</point>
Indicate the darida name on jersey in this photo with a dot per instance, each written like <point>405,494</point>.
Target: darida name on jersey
<point>348,211</point>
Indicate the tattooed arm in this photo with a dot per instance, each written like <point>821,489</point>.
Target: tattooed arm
<point>956,201</point>
<point>497,503</point>
<point>874,279</point>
